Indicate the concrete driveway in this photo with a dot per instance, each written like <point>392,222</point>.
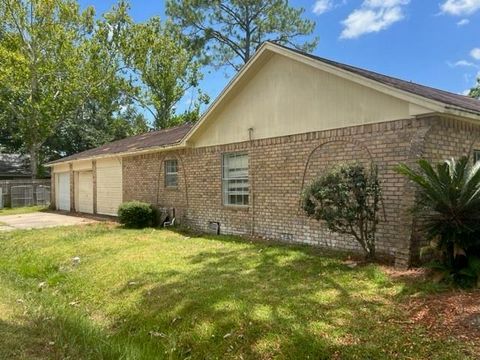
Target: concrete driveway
<point>39,220</point>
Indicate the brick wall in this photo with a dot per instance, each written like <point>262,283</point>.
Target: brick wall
<point>144,180</point>
<point>446,138</point>
<point>279,169</point>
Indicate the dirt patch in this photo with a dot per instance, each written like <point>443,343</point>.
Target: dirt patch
<point>409,276</point>
<point>453,314</point>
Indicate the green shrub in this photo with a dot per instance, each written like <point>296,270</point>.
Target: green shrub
<point>347,198</point>
<point>136,214</point>
<point>449,209</point>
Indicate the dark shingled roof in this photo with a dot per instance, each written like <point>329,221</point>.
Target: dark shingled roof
<point>14,165</point>
<point>140,142</point>
<point>454,100</point>
<point>174,135</point>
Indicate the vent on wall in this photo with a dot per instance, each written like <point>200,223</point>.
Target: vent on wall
<point>214,227</point>
<point>286,237</point>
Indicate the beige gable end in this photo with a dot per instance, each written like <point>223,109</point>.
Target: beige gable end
<point>288,97</point>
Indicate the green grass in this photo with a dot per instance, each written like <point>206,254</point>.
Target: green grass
<point>21,210</point>
<point>158,294</point>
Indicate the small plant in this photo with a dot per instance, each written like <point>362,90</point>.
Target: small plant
<point>448,206</point>
<point>347,199</point>
<point>136,214</point>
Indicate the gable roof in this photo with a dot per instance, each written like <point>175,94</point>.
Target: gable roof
<point>149,140</point>
<point>435,99</point>
<point>14,165</point>
<point>449,98</point>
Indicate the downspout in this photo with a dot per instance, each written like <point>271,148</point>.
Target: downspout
<point>252,187</point>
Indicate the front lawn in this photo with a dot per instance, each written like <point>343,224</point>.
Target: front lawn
<point>154,294</point>
<point>22,210</point>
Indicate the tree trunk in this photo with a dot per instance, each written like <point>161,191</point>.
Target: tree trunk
<point>248,35</point>
<point>34,161</point>
<point>371,256</point>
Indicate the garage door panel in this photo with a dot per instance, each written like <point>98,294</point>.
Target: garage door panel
<point>63,191</point>
<point>85,192</point>
<point>109,187</point>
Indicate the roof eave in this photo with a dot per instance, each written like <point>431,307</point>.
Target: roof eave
<point>175,146</point>
<point>226,90</point>
<point>433,105</point>
<point>456,111</point>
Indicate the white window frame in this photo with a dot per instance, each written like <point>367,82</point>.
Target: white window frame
<point>242,196</point>
<point>476,156</point>
<point>170,174</point>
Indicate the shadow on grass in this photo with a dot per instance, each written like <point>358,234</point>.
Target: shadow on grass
<point>20,341</point>
<point>257,301</point>
<point>263,302</point>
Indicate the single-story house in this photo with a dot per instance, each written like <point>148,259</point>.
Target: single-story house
<point>14,166</point>
<point>284,118</point>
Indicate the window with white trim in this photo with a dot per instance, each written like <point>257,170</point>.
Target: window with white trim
<point>235,179</point>
<point>476,156</point>
<point>171,173</point>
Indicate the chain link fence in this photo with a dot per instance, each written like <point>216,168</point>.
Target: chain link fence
<point>19,193</point>
<point>42,195</point>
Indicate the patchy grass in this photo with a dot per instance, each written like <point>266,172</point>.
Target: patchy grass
<point>150,294</point>
<point>22,210</point>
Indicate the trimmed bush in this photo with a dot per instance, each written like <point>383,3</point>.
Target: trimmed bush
<point>347,198</point>
<point>136,214</point>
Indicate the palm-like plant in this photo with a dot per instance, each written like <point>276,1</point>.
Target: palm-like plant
<point>449,204</point>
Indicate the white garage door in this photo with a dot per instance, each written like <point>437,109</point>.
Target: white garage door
<point>85,192</point>
<point>63,191</point>
<point>109,186</point>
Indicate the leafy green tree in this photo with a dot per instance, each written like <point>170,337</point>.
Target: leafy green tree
<point>58,64</point>
<point>234,29</point>
<point>164,70</point>
<point>347,199</point>
<point>70,80</point>
<point>95,129</point>
<point>42,52</point>
<point>449,209</point>
<point>475,91</point>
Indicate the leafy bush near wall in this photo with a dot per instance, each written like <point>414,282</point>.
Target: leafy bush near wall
<point>136,214</point>
<point>448,206</point>
<point>347,198</point>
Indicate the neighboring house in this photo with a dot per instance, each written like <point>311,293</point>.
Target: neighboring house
<point>286,117</point>
<point>14,166</point>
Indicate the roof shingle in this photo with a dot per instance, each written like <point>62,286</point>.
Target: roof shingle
<point>14,165</point>
<point>140,142</point>
<point>172,136</point>
<point>455,100</point>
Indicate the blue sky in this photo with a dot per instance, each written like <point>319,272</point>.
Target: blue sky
<point>431,42</point>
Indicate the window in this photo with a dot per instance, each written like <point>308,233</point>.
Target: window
<point>476,156</point>
<point>171,173</point>
<point>235,179</point>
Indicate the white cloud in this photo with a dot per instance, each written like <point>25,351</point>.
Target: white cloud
<point>475,53</point>
<point>465,92</point>
<point>322,6</point>
<point>460,7</point>
<point>464,63</point>
<point>373,16</point>
<point>463,22</point>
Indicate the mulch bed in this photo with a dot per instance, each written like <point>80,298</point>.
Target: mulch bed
<point>453,314</point>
